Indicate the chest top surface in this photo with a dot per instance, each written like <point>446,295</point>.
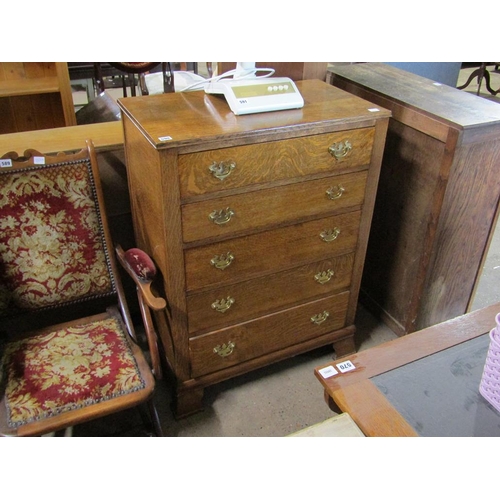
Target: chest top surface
<point>186,119</point>
<point>440,101</point>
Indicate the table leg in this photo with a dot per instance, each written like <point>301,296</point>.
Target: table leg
<point>481,73</point>
<point>331,403</point>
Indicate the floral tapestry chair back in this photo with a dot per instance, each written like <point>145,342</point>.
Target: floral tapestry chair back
<point>68,350</point>
<point>52,245</point>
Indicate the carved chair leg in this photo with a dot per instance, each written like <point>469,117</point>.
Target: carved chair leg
<point>155,419</point>
<point>150,418</point>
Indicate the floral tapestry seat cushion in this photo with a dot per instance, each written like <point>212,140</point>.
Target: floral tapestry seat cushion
<point>67,369</point>
<point>51,245</point>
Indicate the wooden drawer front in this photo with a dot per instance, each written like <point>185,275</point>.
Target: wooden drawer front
<point>228,347</point>
<point>267,162</point>
<point>230,304</point>
<point>247,257</point>
<point>268,207</point>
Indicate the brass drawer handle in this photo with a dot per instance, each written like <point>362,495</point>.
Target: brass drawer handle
<point>220,217</point>
<point>222,261</point>
<point>340,149</point>
<point>225,349</point>
<point>324,276</point>
<point>222,305</point>
<point>335,192</point>
<point>320,318</point>
<point>222,169</point>
<point>329,235</point>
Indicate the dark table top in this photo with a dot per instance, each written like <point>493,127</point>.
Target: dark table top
<point>425,383</point>
<point>439,395</point>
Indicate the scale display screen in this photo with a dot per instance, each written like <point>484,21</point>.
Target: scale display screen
<point>258,95</point>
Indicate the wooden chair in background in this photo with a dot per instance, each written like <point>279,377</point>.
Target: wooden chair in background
<point>133,76</point>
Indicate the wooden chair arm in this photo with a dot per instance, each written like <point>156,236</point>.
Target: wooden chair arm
<point>142,270</point>
<point>151,336</point>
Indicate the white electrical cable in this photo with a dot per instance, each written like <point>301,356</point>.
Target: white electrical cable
<point>242,74</point>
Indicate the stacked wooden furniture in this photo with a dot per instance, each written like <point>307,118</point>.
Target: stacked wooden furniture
<point>438,199</point>
<point>35,96</point>
<point>258,224</point>
<point>294,70</point>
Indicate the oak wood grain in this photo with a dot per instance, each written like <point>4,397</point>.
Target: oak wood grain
<point>421,95</point>
<point>198,121</point>
<point>267,294</point>
<point>438,197</point>
<point>268,207</point>
<point>280,250</point>
<point>374,415</point>
<point>273,161</point>
<point>105,136</point>
<point>267,334</point>
<point>280,206</point>
<point>34,96</point>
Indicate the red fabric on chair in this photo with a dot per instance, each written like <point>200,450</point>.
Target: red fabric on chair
<point>140,263</point>
<point>50,238</point>
<point>68,349</point>
<point>66,369</point>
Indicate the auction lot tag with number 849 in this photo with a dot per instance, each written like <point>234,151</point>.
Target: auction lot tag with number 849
<point>330,371</point>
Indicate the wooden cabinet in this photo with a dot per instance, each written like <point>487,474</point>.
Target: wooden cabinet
<point>258,224</point>
<point>438,197</point>
<point>35,96</point>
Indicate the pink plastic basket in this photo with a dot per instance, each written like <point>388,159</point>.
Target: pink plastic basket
<point>490,381</point>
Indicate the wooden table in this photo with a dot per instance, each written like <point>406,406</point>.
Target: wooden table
<point>369,392</point>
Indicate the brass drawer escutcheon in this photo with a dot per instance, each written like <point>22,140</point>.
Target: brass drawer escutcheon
<point>335,192</point>
<point>221,170</point>
<point>317,319</point>
<point>225,349</point>
<point>329,235</point>
<point>324,276</point>
<point>340,149</point>
<point>222,261</point>
<point>222,305</point>
<point>221,217</point>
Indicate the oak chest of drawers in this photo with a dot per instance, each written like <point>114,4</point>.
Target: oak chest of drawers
<point>258,225</point>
